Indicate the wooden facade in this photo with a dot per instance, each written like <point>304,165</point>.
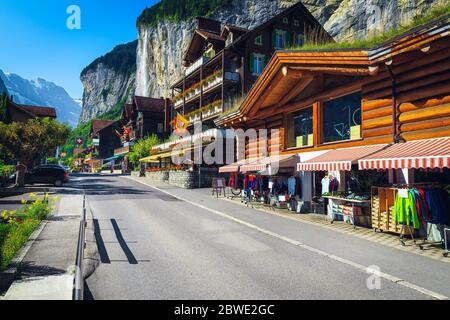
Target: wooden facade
<point>404,86</point>
<point>106,132</point>
<point>142,118</point>
<point>231,59</point>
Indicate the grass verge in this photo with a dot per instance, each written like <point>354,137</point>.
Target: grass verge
<point>17,226</point>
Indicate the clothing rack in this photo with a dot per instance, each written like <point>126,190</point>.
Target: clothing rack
<point>406,229</point>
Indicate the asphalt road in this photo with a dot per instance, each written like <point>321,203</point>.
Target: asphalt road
<point>153,245</point>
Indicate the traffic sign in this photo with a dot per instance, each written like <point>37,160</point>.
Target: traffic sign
<point>79,141</point>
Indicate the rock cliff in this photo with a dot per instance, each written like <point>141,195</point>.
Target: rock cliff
<point>108,80</point>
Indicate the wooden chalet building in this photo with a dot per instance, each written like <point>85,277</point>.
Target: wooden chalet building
<point>224,61</point>
<point>143,117</point>
<point>23,113</point>
<point>105,137</point>
<point>222,64</point>
<point>385,109</point>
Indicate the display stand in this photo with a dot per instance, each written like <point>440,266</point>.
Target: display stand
<point>383,202</point>
<point>218,186</point>
<point>352,202</point>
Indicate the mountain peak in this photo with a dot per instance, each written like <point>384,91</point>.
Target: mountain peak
<point>40,92</point>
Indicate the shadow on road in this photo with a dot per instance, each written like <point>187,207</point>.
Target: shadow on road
<point>104,258</point>
<point>29,269</point>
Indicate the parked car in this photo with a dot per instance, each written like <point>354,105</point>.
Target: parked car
<point>45,174</point>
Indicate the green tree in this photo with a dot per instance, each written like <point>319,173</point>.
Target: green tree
<point>34,140</point>
<point>4,100</point>
<point>142,149</point>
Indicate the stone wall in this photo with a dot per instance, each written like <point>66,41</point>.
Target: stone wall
<point>185,179</point>
<point>161,176</point>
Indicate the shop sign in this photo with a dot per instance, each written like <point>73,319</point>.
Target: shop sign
<point>96,142</point>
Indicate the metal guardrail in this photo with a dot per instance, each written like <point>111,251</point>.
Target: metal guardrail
<point>446,252</point>
<point>78,291</point>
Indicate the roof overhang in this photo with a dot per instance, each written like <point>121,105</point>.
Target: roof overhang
<point>290,72</point>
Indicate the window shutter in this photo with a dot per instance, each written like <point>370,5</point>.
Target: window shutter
<point>251,63</point>
<point>288,39</point>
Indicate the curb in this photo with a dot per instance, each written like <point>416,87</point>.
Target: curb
<point>10,202</point>
<point>7,277</point>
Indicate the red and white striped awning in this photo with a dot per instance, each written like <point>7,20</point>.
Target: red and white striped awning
<point>339,159</point>
<point>419,154</point>
<point>280,161</point>
<point>234,167</point>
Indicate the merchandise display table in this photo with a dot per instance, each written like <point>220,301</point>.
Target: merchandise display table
<point>336,204</point>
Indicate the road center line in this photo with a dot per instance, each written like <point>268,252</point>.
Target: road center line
<point>355,265</point>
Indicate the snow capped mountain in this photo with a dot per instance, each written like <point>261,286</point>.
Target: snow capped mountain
<point>43,93</point>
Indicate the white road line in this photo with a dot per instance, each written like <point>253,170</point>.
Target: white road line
<point>355,265</point>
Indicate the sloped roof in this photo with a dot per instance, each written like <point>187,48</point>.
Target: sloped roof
<point>239,31</point>
<point>145,104</point>
<point>198,39</point>
<point>127,111</point>
<point>36,111</point>
<point>209,36</point>
<point>98,125</point>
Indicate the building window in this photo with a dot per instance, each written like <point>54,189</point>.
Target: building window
<point>258,64</point>
<point>280,39</point>
<point>342,118</point>
<point>285,20</point>
<point>300,129</point>
<point>299,40</point>
<point>258,40</point>
<point>296,23</point>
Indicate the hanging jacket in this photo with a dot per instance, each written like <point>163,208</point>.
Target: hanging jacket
<point>298,187</point>
<point>232,181</point>
<point>439,204</point>
<point>424,201</point>
<point>405,211</point>
<point>292,182</point>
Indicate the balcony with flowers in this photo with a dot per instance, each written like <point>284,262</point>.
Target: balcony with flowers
<point>211,110</point>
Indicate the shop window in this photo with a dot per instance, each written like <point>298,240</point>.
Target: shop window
<point>300,129</point>
<point>258,40</point>
<point>342,118</point>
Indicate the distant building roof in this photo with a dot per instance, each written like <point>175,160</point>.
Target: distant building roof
<point>128,109</point>
<point>36,111</point>
<point>98,125</point>
<point>145,104</point>
<point>238,31</point>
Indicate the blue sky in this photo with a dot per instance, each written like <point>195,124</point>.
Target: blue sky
<point>35,41</point>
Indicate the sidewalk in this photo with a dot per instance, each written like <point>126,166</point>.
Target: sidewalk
<point>47,270</point>
<point>427,268</point>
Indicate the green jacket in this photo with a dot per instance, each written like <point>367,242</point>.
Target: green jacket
<point>406,212</point>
